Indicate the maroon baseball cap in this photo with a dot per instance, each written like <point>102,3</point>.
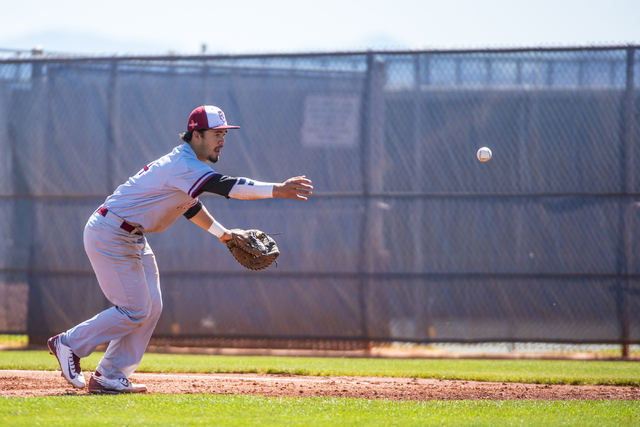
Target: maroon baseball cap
<point>208,117</point>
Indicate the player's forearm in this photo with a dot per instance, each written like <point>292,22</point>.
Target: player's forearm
<point>204,220</point>
<point>237,188</point>
<point>248,189</point>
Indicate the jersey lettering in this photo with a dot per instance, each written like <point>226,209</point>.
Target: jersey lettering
<point>188,204</point>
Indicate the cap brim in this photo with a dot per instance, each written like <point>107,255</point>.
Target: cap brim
<point>226,127</point>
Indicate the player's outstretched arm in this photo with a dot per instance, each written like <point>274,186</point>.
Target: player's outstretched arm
<point>298,187</point>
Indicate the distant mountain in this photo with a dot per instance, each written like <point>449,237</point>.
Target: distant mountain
<point>56,41</point>
<point>79,43</point>
<point>380,41</point>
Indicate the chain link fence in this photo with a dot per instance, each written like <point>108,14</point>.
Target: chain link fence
<point>407,236</point>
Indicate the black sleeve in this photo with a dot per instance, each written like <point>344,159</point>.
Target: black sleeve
<point>218,184</point>
<point>193,210</point>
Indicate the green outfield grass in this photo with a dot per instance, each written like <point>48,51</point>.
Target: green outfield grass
<point>528,371</point>
<point>14,340</point>
<point>222,410</point>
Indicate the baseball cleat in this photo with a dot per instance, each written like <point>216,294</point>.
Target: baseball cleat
<point>103,385</point>
<point>68,361</point>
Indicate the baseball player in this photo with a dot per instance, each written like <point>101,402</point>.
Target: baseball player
<point>124,264</point>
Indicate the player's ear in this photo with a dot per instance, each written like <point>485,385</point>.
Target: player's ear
<point>197,135</point>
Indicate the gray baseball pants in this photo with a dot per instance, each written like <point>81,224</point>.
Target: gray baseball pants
<point>128,276</point>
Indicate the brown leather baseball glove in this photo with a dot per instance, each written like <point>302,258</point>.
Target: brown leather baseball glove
<point>253,249</point>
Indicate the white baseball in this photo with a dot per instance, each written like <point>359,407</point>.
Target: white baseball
<point>484,154</point>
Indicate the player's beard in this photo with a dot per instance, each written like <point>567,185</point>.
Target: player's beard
<point>214,157</point>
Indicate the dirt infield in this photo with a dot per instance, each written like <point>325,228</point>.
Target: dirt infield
<point>50,383</point>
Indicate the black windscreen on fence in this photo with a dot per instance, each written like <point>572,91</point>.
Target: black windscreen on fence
<point>408,237</point>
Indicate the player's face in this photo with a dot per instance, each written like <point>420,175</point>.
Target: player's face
<point>213,141</point>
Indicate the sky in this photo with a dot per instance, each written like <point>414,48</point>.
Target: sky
<point>143,27</point>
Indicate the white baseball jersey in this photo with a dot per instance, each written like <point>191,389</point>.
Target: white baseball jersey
<point>162,191</point>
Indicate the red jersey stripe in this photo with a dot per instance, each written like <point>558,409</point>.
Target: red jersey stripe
<point>199,183</point>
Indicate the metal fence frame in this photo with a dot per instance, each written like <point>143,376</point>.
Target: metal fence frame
<point>371,132</point>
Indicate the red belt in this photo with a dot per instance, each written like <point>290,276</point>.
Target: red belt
<point>125,225</point>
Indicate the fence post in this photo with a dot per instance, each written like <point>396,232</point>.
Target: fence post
<point>628,186</point>
<point>26,209</point>
<point>371,157</point>
<point>417,206</point>
<point>421,304</point>
<point>112,125</point>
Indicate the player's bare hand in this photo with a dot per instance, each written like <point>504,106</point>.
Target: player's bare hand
<point>298,187</point>
<point>228,234</point>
